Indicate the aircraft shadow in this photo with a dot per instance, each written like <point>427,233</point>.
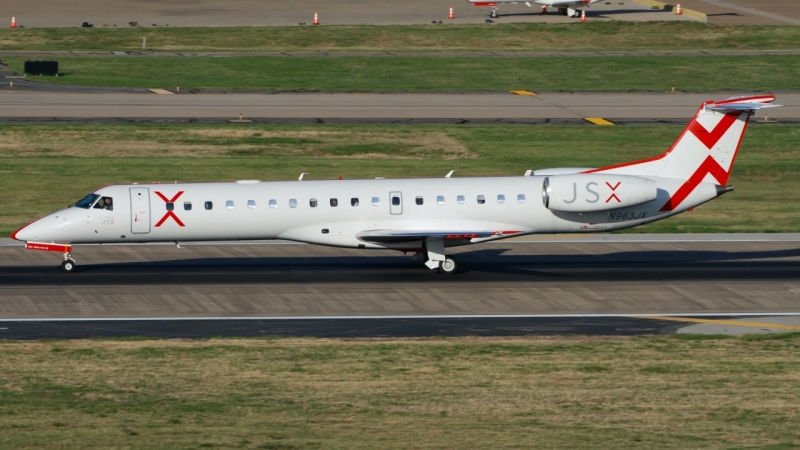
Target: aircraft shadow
<point>478,266</point>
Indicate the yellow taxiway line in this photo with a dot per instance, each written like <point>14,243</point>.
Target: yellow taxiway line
<point>529,93</point>
<point>598,121</point>
<point>736,323</point>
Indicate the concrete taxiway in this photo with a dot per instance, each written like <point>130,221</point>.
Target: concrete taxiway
<point>209,13</point>
<point>603,284</point>
<point>642,107</point>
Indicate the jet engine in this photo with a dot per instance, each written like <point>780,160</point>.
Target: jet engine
<point>595,192</point>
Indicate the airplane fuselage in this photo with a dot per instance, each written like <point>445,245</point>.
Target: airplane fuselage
<point>332,212</point>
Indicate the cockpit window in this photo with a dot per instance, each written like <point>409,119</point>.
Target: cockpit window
<point>106,203</point>
<point>86,202</point>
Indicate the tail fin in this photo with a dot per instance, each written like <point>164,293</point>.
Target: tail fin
<point>705,150</point>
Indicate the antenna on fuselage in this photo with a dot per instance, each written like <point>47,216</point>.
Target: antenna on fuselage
<point>449,174</point>
<point>301,176</point>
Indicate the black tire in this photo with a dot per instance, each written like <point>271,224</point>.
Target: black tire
<point>68,266</point>
<point>448,266</point>
<point>493,15</point>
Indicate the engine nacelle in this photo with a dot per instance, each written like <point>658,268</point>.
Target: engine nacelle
<point>596,192</point>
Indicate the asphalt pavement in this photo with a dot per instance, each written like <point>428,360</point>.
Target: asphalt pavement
<point>22,105</point>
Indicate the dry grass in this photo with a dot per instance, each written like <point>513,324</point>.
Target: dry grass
<point>559,392</point>
<point>604,36</point>
<point>216,142</point>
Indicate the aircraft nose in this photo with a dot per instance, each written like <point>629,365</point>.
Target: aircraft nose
<point>20,234</point>
<point>33,231</point>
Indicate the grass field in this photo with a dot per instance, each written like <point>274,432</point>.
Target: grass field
<point>46,167</point>
<point>456,393</point>
<point>507,37</point>
<point>747,73</point>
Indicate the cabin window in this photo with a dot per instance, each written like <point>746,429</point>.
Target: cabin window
<point>251,204</point>
<point>312,203</point>
<point>187,206</point>
<point>334,203</point>
<point>105,203</point>
<point>209,206</point>
<point>272,203</point>
<point>460,200</point>
<point>396,201</point>
<point>481,199</point>
<point>521,198</point>
<point>170,206</point>
<point>86,202</point>
<point>229,204</point>
<point>354,201</point>
<point>440,199</point>
<point>419,200</point>
<point>293,203</point>
<point>501,198</point>
<point>376,201</point>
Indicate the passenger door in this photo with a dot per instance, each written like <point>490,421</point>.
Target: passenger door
<point>140,210</point>
<point>396,203</point>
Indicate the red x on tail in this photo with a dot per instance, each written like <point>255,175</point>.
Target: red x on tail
<point>613,195</point>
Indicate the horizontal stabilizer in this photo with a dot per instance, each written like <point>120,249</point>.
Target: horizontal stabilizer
<point>742,103</point>
<point>740,106</point>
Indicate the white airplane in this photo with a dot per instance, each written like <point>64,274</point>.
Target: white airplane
<point>566,7</point>
<point>424,216</point>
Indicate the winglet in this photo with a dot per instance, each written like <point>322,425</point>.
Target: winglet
<point>449,174</point>
<point>301,176</point>
<point>528,172</point>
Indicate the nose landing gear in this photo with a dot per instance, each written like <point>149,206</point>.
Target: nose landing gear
<point>68,265</point>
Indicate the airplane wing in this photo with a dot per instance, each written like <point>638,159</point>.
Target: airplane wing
<point>401,236</point>
<point>559,2</point>
<point>550,3</point>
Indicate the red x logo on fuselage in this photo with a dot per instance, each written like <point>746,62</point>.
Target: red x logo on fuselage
<point>169,213</point>
<point>613,195</point>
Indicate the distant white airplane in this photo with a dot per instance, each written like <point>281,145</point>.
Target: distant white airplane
<point>423,216</point>
<point>566,7</point>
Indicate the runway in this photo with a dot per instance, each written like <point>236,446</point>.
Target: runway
<point>547,285</point>
<point>20,106</point>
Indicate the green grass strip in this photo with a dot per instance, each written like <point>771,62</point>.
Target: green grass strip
<point>746,73</point>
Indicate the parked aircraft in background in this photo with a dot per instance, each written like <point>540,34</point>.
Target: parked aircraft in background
<point>566,7</point>
<point>424,216</point>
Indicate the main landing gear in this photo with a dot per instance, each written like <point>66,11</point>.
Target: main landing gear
<point>69,264</point>
<point>448,266</point>
<point>435,259</point>
<point>493,14</point>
